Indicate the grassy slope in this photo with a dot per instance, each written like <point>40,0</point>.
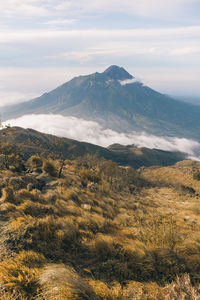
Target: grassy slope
<point>99,232</point>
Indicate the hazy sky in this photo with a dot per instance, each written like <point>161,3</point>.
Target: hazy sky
<point>44,43</point>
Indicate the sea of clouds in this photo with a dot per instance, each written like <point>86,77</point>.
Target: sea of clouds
<point>92,132</point>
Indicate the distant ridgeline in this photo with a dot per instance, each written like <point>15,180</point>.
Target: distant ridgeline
<point>32,142</point>
<point>118,101</point>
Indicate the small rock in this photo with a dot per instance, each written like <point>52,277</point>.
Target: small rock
<point>86,207</point>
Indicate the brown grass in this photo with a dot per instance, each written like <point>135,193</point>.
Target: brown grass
<point>101,232</point>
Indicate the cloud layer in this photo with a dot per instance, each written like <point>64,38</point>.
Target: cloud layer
<point>92,132</point>
<point>53,7</point>
<point>167,59</point>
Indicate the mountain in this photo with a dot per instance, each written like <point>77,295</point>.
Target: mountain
<point>117,101</point>
<point>30,141</point>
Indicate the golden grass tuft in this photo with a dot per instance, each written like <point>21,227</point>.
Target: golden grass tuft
<point>34,209</point>
<point>62,282</point>
<point>8,195</point>
<point>18,278</point>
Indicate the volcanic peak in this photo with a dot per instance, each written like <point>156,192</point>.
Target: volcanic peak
<point>117,73</point>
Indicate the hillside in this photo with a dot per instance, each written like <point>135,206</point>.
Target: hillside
<point>99,231</point>
<point>117,101</point>
<point>184,173</point>
<point>32,142</point>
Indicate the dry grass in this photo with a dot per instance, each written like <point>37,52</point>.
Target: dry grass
<point>19,279</point>
<point>101,232</point>
<point>62,282</point>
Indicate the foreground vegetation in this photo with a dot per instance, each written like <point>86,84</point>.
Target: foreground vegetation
<point>100,231</point>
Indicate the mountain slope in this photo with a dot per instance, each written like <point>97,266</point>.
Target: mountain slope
<point>98,231</point>
<point>117,101</point>
<point>32,141</point>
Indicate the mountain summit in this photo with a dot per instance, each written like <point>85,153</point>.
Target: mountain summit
<point>117,101</point>
<point>117,73</point>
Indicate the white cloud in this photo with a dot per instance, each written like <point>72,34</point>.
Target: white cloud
<point>13,97</point>
<point>54,46</point>
<point>92,132</point>
<point>109,50</point>
<point>60,22</point>
<point>129,81</point>
<point>26,36</point>
<point>152,8</point>
<point>185,51</point>
<point>155,8</point>
<point>9,8</point>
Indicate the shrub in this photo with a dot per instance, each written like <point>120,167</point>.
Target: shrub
<point>104,188</point>
<point>49,168</point>
<point>89,175</point>
<point>10,159</point>
<point>35,161</point>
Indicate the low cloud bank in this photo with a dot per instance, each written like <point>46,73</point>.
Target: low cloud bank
<point>92,132</point>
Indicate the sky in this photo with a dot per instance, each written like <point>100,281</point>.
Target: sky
<point>44,43</point>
